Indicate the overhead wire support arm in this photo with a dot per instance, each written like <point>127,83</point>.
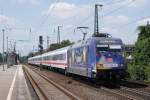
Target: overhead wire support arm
<point>84,32</point>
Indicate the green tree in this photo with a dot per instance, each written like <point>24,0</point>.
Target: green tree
<point>55,46</point>
<point>30,54</point>
<point>65,43</point>
<point>138,69</point>
<point>23,59</point>
<point>52,47</point>
<point>144,32</point>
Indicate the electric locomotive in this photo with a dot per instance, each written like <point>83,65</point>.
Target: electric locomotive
<point>99,57</point>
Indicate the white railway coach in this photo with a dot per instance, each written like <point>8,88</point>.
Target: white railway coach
<point>56,58</point>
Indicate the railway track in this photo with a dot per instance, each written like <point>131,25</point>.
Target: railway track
<point>128,93</point>
<point>123,92</point>
<point>35,86</point>
<point>139,92</point>
<point>132,93</point>
<point>40,91</point>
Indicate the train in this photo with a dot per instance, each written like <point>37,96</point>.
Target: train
<point>100,57</point>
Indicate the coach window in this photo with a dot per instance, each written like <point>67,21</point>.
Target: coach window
<point>58,57</point>
<point>46,57</point>
<point>55,57</point>
<point>61,57</point>
<point>64,57</point>
<point>49,57</point>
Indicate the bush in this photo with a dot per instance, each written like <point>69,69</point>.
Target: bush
<point>139,69</point>
<point>138,72</point>
<point>148,72</point>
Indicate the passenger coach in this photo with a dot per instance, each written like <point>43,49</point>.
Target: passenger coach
<point>56,58</point>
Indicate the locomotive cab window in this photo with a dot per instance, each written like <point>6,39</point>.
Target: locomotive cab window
<point>115,48</point>
<point>102,48</point>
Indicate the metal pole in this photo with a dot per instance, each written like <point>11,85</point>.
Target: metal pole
<point>96,21</point>
<point>47,42</point>
<point>3,49</point>
<point>7,44</point>
<point>33,48</point>
<point>58,34</point>
<point>7,52</point>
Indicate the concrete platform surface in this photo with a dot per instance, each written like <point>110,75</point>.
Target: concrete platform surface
<point>14,85</point>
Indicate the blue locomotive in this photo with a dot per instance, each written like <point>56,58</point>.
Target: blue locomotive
<point>95,57</point>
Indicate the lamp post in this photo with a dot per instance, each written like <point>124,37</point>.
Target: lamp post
<point>7,53</point>
<point>3,49</point>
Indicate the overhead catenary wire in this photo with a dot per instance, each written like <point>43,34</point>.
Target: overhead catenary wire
<point>40,25</point>
<point>135,21</point>
<point>110,12</point>
<point>89,16</point>
<point>117,9</point>
<point>82,22</point>
<point>46,17</point>
<point>113,2</point>
<point>121,7</point>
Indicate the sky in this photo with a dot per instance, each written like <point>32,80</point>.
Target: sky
<point>25,20</point>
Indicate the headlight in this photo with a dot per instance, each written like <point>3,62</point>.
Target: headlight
<point>122,65</point>
<point>114,65</point>
<point>111,65</point>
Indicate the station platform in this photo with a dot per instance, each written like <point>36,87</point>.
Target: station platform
<point>14,85</point>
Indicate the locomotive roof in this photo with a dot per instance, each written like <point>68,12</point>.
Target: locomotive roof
<point>57,51</point>
<point>64,49</point>
<point>103,40</point>
<point>82,43</point>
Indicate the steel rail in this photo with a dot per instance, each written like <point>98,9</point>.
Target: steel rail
<point>35,86</point>
<point>67,92</point>
<point>130,97</point>
<point>142,93</point>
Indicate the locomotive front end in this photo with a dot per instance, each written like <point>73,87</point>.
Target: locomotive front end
<point>110,61</point>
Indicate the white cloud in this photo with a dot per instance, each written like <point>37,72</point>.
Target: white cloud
<point>138,3</point>
<point>6,20</point>
<point>143,21</point>
<point>125,3</point>
<point>65,10</point>
<point>34,2</point>
<point>109,30</point>
<point>132,3</point>
<point>127,36</point>
<point>116,20</point>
